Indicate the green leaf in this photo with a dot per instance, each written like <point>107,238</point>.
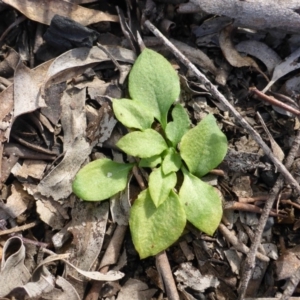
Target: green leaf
<point>150,162</point>
<point>172,162</point>
<point>142,143</point>
<point>203,147</point>
<point>132,114</point>
<point>179,126</point>
<point>160,185</point>
<point>201,202</point>
<point>154,82</point>
<point>155,229</point>
<point>101,179</point>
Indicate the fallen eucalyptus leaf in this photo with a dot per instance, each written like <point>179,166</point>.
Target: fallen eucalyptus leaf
<point>42,11</point>
<point>288,65</point>
<point>233,56</point>
<point>262,51</point>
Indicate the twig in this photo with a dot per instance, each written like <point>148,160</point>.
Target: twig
<point>163,266</point>
<point>273,101</point>
<point>233,240</point>
<point>250,208</point>
<point>250,260</point>
<point>217,95</point>
<point>18,228</point>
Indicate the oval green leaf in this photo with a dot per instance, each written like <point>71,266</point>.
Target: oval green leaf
<point>155,229</point>
<point>203,147</point>
<point>201,202</point>
<point>142,143</point>
<point>160,185</point>
<point>154,82</point>
<point>179,126</point>
<point>150,162</point>
<point>172,162</point>
<point>132,114</point>
<point>101,179</point>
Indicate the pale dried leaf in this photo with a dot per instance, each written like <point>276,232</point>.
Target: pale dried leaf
<point>234,258</point>
<point>58,183</point>
<point>27,83</point>
<point>109,276</point>
<point>32,168</point>
<point>232,55</point>
<point>74,62</point>
<point>288,65</point>
<point>261,51</point>
<point>18,201</point>
<point>64,290</point>
<point>88,228</point>
<point>271,250</point>
<point>287,263</point>
<point>135,289</point>
<point>49,213</point>
<point>13,271</point>
<point>43,11</point>
<point>191,277</point>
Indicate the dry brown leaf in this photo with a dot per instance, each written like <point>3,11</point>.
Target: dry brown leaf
<point>19,200</point>
<point>27,83</point>
<point>261,51</point>
<point>58,183</point>
<point>267,14</point>
<point>42,11</point>
<point>232,55</point>
<point>88,226</point>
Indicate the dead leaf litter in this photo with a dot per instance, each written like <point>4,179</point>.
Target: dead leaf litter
<point>56,87</point>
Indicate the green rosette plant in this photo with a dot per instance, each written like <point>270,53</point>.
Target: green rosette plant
<point>158,216</point>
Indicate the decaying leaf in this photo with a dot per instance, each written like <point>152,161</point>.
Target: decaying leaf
<point>288,65</point>
<point>135,289</point>
<point>191,277</point>
<point>88,228</point>
<point>13,271</point>
<point>261,51</point>
<point>232,55</point>
<point>43,11</point>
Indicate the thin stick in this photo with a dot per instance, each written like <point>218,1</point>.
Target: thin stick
<point>19,228</point>
<point>163,266</point>
<point>217,95</point>
<point>274,101</point>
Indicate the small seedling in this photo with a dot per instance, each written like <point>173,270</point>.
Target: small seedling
<point>159,214</point>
